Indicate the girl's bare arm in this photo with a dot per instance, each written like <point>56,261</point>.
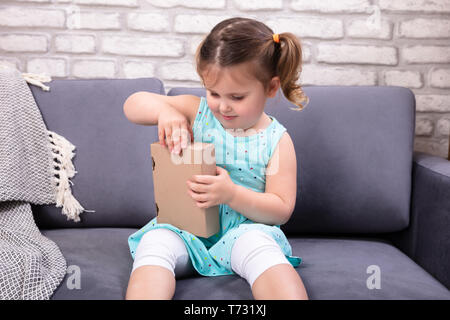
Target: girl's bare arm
<point>144,107</point>
<point>276,204</point>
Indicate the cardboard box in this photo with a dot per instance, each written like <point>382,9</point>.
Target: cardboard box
<point>170,173</point>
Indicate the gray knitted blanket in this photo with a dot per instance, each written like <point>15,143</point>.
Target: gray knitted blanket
<point>35,167</point>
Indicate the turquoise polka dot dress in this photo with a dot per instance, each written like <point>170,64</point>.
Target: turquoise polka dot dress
<point>245,159</point>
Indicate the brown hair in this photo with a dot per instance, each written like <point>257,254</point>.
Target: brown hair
<point>238,40</point>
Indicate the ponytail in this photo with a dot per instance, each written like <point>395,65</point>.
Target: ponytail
<point>289,67</point>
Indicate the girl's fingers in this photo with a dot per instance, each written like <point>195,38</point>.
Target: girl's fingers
<point>202,197</point>
<point>169,138</point>
<point>203,205</point>
<point>197,187</point>
<point>191,133</point>
<point>184,136</point>
<point>203,179</point>
<point>161,137</point>
<point>176,135</point>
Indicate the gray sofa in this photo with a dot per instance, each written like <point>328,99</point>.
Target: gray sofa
<point>368,207</point>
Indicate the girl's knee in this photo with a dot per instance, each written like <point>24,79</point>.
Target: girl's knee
<point>253,253</point>
<point>163,237</point>
<point>160,247</point>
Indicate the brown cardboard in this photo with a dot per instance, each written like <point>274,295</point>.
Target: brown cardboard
<point>170,173</point>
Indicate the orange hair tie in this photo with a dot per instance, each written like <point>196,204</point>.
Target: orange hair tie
<point>276,37</point>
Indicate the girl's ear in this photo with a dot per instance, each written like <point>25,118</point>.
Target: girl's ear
<point>274,85</point>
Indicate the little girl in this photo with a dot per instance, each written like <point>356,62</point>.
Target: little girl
<point>241,63</point>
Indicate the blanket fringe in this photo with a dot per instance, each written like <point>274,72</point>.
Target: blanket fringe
<point>37,79</point>
<point>63,167</point>
<point>62,152</point>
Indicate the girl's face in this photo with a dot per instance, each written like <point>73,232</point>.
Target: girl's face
<point>236,99</point>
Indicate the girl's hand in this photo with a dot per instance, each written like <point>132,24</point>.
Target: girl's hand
<point>173,126</point>
<point>209,191</point>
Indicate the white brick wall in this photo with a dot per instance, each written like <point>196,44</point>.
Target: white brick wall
<point>73,43</point>
<point>346,42</point>
<point>31,17</point>
<point>148,21</point>
<point>196,23</point>
<point>194,4</point>
<point>94,21</point>
<point>94,68</point>
<point>11,44</point>
<point>341,6</point>
<point>126,3</point>
<point>427,6</point>
<point>360,54</point>
<point>51,66</point>
<point>146,46</point>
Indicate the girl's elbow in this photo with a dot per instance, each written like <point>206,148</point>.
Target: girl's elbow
<point>287,213</point>
<point>129,106</point>
<point>285,217</point>
<point>126,106</point>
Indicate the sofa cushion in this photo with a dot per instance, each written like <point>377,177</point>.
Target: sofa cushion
<point>112,154</point>
<point>333,268</point>
<point>354,148</point>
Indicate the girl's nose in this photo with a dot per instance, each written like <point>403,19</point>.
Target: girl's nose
<point>224,109</point>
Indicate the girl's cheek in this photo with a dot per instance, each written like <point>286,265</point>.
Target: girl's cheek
<point>213,104</point>
<point>213,107</point>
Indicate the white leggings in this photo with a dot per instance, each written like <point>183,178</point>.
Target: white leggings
<point>253,253</point>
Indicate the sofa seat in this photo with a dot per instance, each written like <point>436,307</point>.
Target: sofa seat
<point>332,268</point>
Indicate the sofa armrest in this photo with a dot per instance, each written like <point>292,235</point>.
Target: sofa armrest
<point>427,238</point>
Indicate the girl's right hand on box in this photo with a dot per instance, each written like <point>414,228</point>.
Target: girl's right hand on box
<point>174,130</point>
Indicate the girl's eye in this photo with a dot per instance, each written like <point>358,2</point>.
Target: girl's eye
<point>234,98</point>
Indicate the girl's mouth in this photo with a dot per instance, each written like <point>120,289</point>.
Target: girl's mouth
<point>228,118</point>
